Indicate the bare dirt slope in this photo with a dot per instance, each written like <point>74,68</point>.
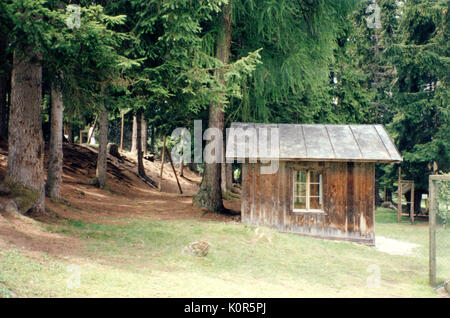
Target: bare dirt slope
<point>127,196</point>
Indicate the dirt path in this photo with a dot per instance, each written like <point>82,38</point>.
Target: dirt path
<point>394,247</point>
<point>127,196</point>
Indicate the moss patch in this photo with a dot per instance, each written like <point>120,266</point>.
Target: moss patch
<point>24,197</point>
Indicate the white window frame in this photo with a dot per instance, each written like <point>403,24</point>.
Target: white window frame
<point>308,186</point>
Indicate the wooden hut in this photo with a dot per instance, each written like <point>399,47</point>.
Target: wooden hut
<point>324,184</point>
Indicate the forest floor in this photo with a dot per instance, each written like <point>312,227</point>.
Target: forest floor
<point>128,241</point>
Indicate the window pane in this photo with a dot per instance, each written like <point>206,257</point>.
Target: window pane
<point>300,203</point>
<point>314,190</point>
<point>300,176</point>
<point>314,204</point>
<point>315,176</point>
<point>300,189</point>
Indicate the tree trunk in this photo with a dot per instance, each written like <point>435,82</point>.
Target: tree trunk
<point>54,173</point>
<point>378,199</point>
<point>144,135</point>
<point>26,146</point>
<point>223,173</point>
<point>4,80</point>
<point>193,167</point>
<point>417,199</point>
<point>152,139</point>
<point>140,153</point>
<point>134,136</point>
<point>229,175</point>
<point>210,193</point>
<point>102,151</point>
<point>122,126</point>
<point>226,173</point>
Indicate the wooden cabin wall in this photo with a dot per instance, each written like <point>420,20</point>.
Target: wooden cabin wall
<point>348,200</point>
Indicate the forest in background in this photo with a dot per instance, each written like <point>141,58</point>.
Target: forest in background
<point>168,63</point>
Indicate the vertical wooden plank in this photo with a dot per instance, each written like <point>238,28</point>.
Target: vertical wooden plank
<point>432,232</point>
<point>262,193</point>
<point>343,199</point>
<point>246,186</point>
<point>271,190</point>
<point>289,195</point>
<point>360,197</point>
<point>370,207</point>
<point>326,195</point>
<point>332,193</point>
<point>251,195</point>
<point>366,198</point>
<point>281,195</point>
<point>351,197</point>
<point>275,198</point>
<point>258,214</point>
<point>263,197</point>
<point>308,217</point>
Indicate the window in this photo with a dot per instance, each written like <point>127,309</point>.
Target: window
<point>308,191</point>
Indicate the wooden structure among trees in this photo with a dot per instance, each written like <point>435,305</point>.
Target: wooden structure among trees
<point>405,186</point>
<point>325,183</point>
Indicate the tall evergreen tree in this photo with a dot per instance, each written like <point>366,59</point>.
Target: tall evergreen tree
<point>420,55</point>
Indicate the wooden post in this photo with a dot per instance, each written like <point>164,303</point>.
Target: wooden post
<point>81,136</point>
<point>411,206</point>
<point>385,194</point>
<point>433,208</point>
<point>93,127</point>
<point>432,231</point>
<point>181,157</point>
<point>174,172</point>
<point>162,164</point>
<point>121,131</point>
<point>399,195</point>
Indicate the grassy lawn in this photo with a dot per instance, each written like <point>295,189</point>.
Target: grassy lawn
<point>144,258</point>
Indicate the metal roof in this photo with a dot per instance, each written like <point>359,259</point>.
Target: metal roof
<point>369,143</point>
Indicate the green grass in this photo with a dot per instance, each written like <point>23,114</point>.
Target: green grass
<point>142,258</point>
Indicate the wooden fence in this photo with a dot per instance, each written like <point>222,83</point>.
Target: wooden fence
<point>433,192</point>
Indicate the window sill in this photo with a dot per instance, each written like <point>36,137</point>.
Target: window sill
<point>308,211</point>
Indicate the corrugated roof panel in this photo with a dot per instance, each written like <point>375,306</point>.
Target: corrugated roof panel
<point>292,142</point>
<point>318,144</point>
<point>369,142</point>
<point>243,142</point>
<point>343,142</point>
<point>270,133</point>
<point>395,155</point>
